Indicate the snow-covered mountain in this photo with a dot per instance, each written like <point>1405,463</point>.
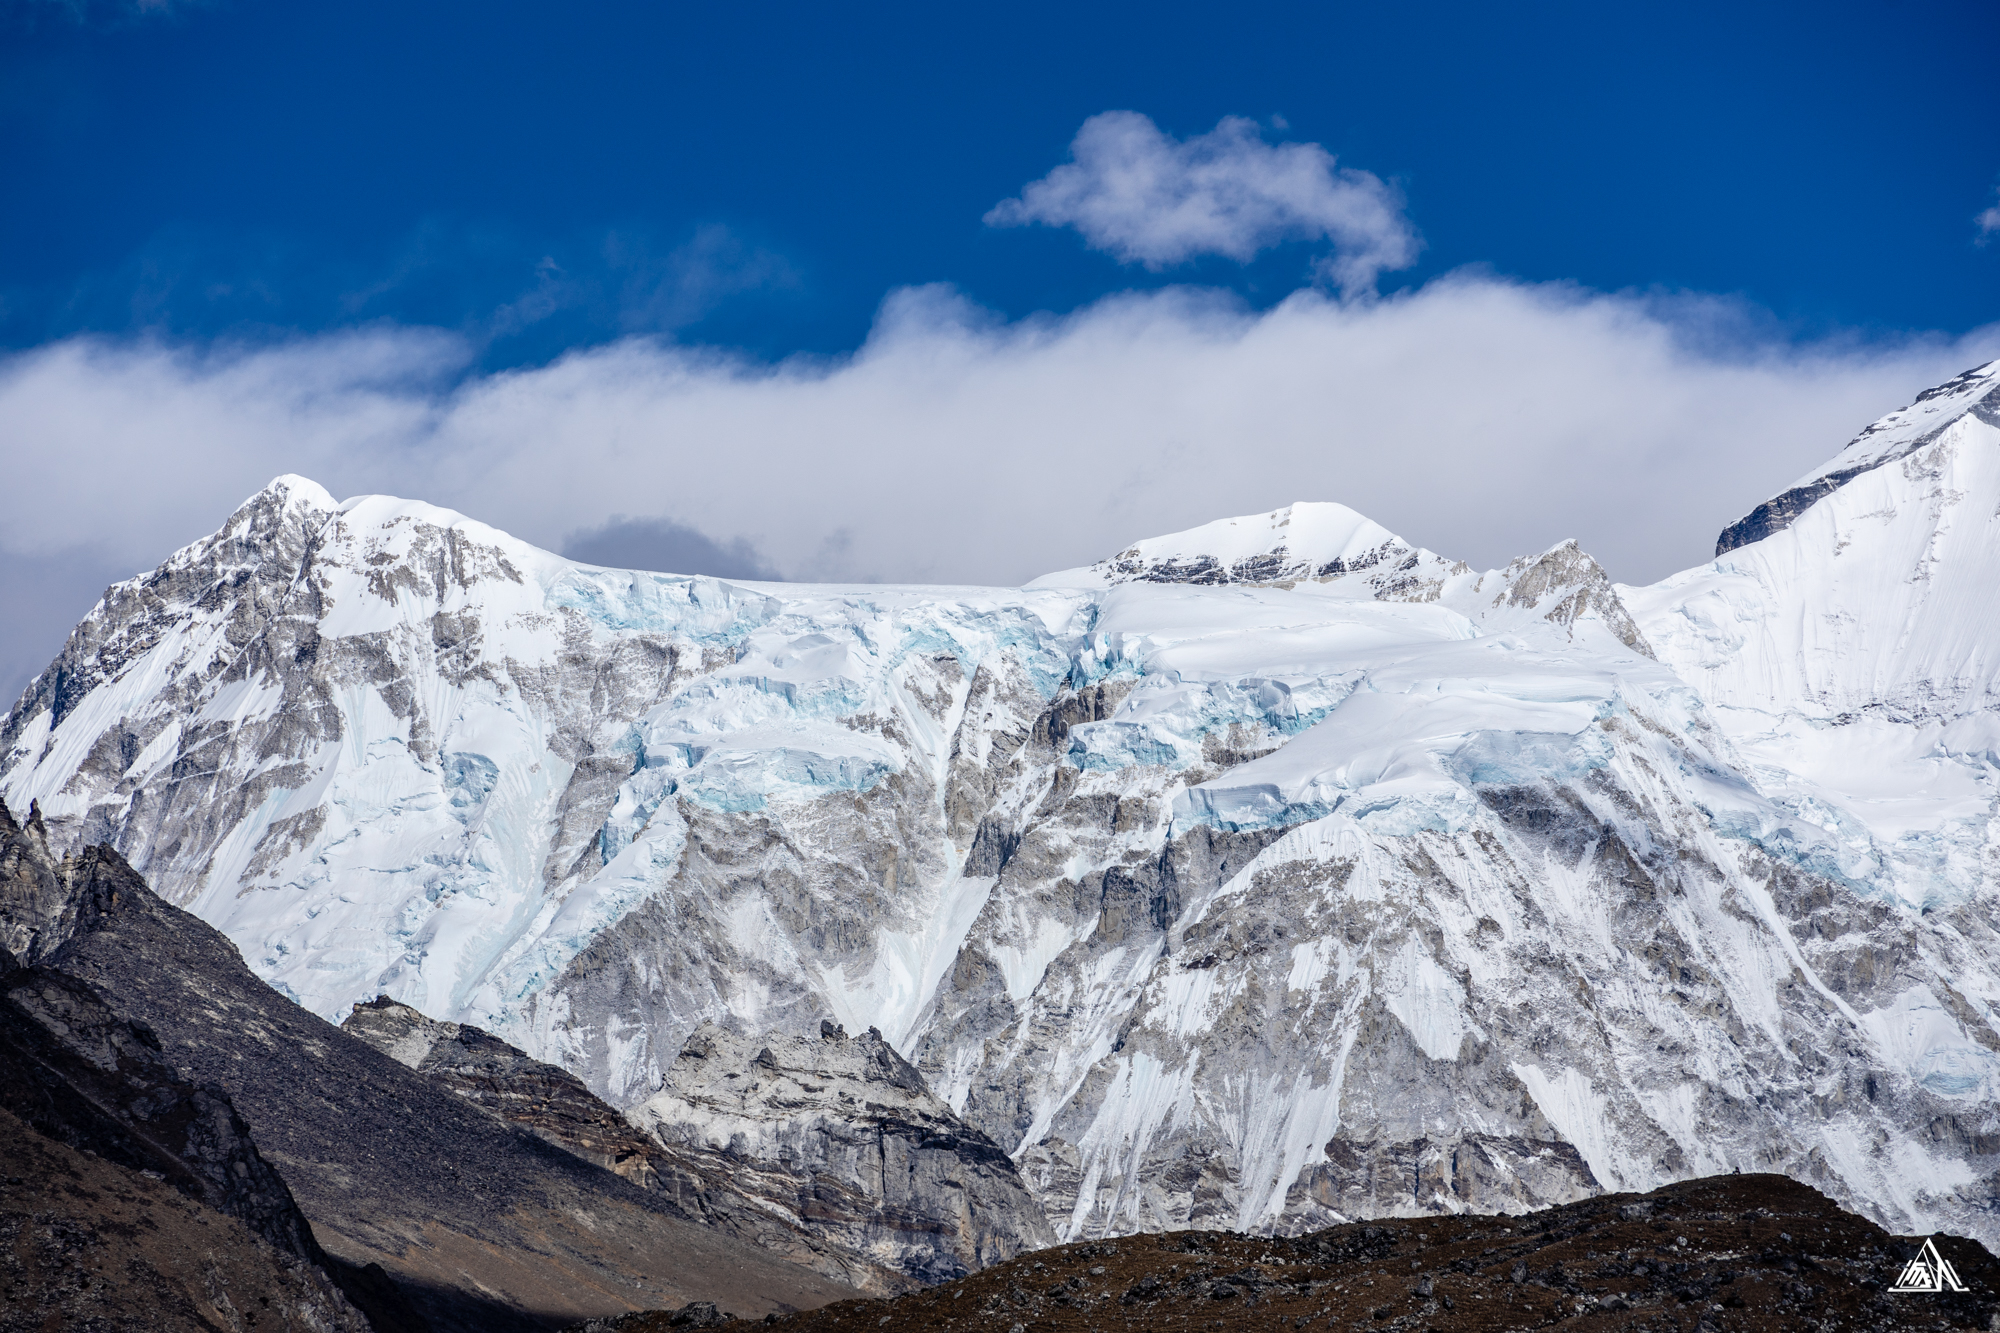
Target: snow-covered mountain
<point>1852,651</point>
<point>1263,874</point>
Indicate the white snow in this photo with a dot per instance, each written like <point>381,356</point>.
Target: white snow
<point>1828,696</point>
<point>1311,533</point>
<point>1852,657</point>
<point>1574,1107</point>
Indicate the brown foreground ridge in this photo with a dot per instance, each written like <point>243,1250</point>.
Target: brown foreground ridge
<point>1756,1252</point>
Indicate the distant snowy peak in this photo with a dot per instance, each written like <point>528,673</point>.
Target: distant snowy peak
<point>1974,394</point>
<point>1321,542</point>
<point>288,554</point>
<point>1337,552</point>
<point>285,496</point>
<point>1563,586</point>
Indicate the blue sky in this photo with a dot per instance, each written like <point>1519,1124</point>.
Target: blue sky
<point>248,166</point>
<point>744,282</point>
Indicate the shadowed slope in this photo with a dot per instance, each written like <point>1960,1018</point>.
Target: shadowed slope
<point>86,1243</point>
<point>485,1225</point>
<point>718,1189</point>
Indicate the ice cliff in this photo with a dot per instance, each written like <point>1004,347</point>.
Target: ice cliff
<point>1260,875</point>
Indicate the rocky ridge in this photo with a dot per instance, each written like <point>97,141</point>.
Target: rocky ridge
<point>141,1037</point>
<point>1732,1254</point>
<point>842,1136</point>
<point>1894,437</point>
<point>506,1082</point>
<point>105,1139</point>
<point>877,1186</point>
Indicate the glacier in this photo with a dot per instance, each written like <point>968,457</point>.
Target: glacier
<point>1267,874</point>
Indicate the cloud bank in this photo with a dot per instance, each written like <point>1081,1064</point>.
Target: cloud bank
<point>1478,417</point>
<point>1147,198</point>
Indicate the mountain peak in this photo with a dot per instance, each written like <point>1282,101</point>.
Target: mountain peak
<point>282,498</point>
<point>1304,540</point>
<point>291,488</point>
<point>1974,393</point>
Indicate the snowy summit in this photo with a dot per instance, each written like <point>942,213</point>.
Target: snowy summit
<point>1267,874</point>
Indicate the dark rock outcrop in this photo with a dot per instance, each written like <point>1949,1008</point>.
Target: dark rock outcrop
<point>1777,513</point>
<point>478,1224</point>
<point>1749,1252</point>
<point>87,1243</point>
<point>45,901</point>
<point>74,1071</point>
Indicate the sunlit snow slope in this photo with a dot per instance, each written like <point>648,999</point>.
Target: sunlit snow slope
<point>1264,874</point>
<point>1853,654</point>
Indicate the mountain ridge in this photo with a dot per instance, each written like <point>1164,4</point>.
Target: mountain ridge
<point>1888,439</point>
<point>1215,885</point>
<point>476,1223</point>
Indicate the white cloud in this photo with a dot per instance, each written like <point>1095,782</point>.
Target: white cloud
<point>1988,223</point>
<point>1150,199</point>
<point>1481,418</point>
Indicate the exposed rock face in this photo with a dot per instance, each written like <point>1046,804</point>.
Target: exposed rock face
<point>839,1160</point>
<point>1565,588</point>
<point>555,1105</point>
<point>1375,1179</point>
<point>841,1133</point>
<point>1218,884</point>
<point>481,1224</point>
<point>506,1081</point>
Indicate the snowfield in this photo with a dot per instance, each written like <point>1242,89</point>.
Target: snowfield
<point>1266,874</point>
